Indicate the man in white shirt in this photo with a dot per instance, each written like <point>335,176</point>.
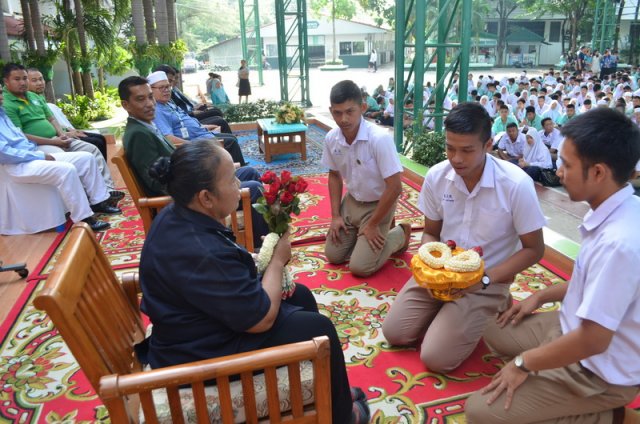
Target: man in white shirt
<point>581,364</point>
<point>550,136</point>
<point>475,200</point>
<point>365,156</point>
<point>511,145</point>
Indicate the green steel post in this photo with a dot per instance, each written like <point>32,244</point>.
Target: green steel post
<point>304,54</point>
<point>243,31</point>
<point>440,63</point>
<point>597,26</point>
<point>282,50</point>
<point>603,23</point>
<point>418,81</point>
<point>465,51</point>
<point>401,20</point>
<point>256,15</point>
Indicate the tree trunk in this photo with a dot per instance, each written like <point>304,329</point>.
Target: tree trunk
<point>562,30</point>
<point>162,24</point>
<point>149,22</point>
<point>573,41</point>
<point>38,34</point>
<point>502,37</point>
<point>333,21</point>
<point>616,36</point>
<point>634,38</point>
<point>171,20</point>
<point>5,52</point>
<point>82,38</point>
<point>28,27</point>
<point>101,78</point>
<point>77,83</point>
<point>137,13</point>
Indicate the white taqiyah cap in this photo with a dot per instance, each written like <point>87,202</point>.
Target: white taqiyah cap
<point>154,77</point>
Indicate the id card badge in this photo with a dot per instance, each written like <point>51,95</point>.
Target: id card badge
<point>184,132</point>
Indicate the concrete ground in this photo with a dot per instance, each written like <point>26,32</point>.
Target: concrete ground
<point>563,216</point>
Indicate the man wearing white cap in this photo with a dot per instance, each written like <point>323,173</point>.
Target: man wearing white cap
<point>177,126</point>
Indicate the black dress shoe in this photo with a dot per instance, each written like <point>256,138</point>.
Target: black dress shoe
<point>116,196</point>
<point>106,208</point>
<point>96,225</point>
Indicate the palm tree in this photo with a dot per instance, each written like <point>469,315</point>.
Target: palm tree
<point>41,50</point>
<point>149,21</point>
<point>137,13</point>
<point>28,28</point>
<point>84,53</point>
<point>5,52</point>
<point>162,22</point>
<point>171,20</point>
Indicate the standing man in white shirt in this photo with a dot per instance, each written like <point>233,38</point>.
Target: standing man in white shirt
<point>580,364</point>
<point>364,155</point>
<point>475,200</point>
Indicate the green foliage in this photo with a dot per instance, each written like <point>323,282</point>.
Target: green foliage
<point>247,112</point>
<point>428,146</point>
<point>81,109</point>
<point>171,54</point>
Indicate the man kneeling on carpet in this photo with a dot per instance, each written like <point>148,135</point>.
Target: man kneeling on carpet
<point>580,364</point>
<point>365,156</point>
<point>144,144</point>
<point>207,280</point>
<point>473,199</point>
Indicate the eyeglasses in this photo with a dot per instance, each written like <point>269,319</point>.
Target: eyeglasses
<point>162,88</point>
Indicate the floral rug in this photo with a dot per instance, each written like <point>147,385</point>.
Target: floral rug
<point>248,141</point>
<point>41,382</point>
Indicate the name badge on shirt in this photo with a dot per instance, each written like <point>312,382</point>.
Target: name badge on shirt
<point>337,151</point>
<point>446,197</point>
<point>184,132</point>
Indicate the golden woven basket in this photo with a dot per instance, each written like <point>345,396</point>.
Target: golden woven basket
<point>444,285</point>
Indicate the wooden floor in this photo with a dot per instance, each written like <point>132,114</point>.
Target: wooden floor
<point>30,249</point>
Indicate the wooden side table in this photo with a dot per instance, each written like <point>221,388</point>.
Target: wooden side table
<point>277,139</point>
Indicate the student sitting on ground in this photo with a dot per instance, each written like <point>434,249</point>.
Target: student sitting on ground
<point>536,156</point>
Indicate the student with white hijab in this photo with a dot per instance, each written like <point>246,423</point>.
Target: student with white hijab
<point>553,112</point>
<point>536,156</point>
<point>486,104</point>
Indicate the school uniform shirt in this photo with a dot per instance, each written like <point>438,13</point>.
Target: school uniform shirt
<point>605,286</point>
<point>502,206</point>
<point>551,140</point>
<point>201,290</point>
<point>365,163</point>
<point>513,148</point>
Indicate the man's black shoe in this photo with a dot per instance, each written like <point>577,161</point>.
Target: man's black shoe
<point>116,196</point>
<point>96,225</point>
<point>106,208</point>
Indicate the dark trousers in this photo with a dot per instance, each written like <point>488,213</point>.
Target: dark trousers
<point>386,120</point>
<point>250,178</point>
<point>216,120</point>
<point>97,140</point>
<point>535,172</point>
<point>305,325</point>
<point>231,145</point>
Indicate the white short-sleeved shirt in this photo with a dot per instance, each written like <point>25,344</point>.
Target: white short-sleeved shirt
<point>605,286</point>
<point>553,139</point>
<point>501,207</point>
<point>513,148</point>
<point>365,163</point>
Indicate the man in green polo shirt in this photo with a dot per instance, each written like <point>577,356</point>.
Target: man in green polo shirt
<point>29,112</point>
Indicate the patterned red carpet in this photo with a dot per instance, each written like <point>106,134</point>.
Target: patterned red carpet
<point>41,382</point>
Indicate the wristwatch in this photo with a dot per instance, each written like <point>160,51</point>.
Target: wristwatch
<point>485,281</point>
<point>519,362</point>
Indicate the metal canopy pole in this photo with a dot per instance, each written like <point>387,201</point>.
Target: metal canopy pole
<point>457,42</point>
<point>250,16</point>
<point>293,58</point>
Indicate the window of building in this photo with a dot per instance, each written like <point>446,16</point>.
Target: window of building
<point>316,40</point>
<point>272,50</point>
<point>345,47</point>
<point>554,32</point>
<point>358,47</point>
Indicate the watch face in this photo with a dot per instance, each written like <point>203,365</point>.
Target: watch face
<point>518,361</point>
<point>486,280</point>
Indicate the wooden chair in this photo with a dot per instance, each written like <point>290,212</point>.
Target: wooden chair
<point>148,207</point>
<point>99,319</point>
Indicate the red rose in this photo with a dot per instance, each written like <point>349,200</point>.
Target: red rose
<point>286,198</point>
<point>270,197</point>
<point>291,187</point>
<point>301,185</point>
<point>268,177</point>
<point>274,187</point>
<point>285,177</point>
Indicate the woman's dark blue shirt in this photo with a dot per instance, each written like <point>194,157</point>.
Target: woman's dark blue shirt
<point>200,289</point>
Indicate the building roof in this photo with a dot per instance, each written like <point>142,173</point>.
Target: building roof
<point>324,27</point>
<point>523,35</point>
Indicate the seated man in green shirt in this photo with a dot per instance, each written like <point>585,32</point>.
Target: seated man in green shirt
<point>502,120</point>
<point>29,112</point>
<point>568,115</point>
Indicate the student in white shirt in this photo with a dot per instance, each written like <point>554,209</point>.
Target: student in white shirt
<point>511,145</point>
<point>475,200</point>
<point>580,364</point>
<point>364,156</point>
<point>536,156</point>
<point>550,136</point>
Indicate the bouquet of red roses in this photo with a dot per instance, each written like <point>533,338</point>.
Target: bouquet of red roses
<point>280,199</point>
<point>276,205</point>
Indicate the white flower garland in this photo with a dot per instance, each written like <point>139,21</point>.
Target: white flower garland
<point>264,258</point>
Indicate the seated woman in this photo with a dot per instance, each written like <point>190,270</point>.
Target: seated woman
<point>218,94</point>
<point>202,291</point>
<point>536,156</point>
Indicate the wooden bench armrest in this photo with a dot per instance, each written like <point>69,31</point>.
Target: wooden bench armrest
<point>131,285</point>
<point>154,202</point>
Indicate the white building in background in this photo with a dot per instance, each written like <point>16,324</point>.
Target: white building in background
<point>354,42</point>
